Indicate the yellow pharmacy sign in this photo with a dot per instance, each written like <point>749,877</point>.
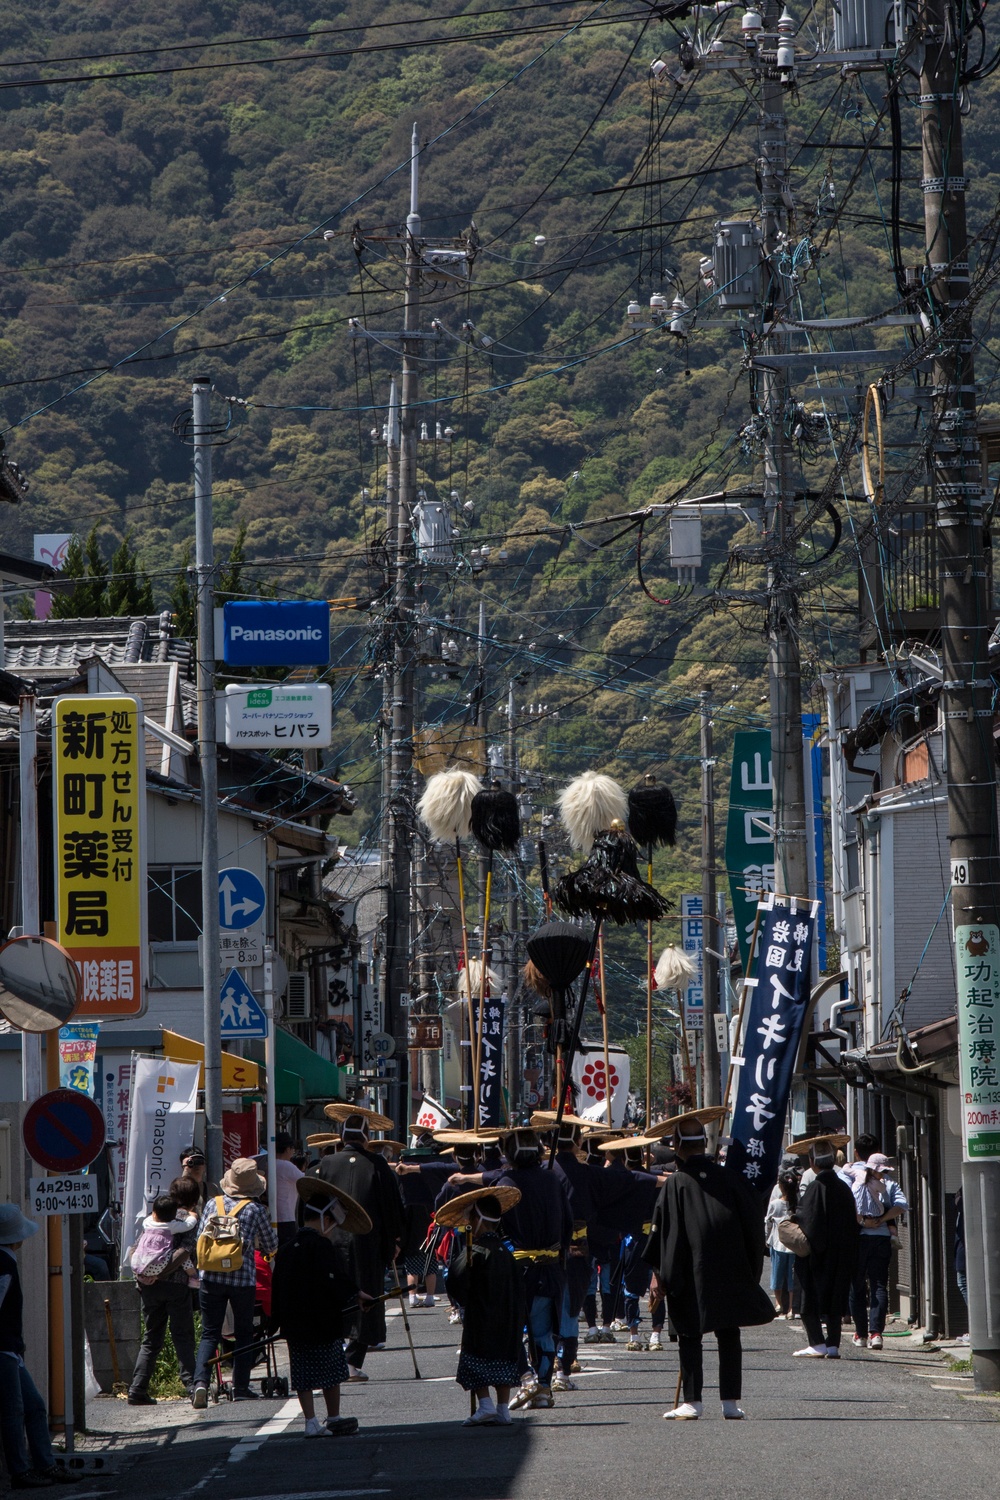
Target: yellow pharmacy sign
<point>98,791</point>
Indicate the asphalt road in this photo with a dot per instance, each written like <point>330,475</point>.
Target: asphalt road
<point>892,1425</point>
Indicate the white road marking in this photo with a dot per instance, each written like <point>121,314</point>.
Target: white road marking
<point>271,1428</point>
<point>319,1495</point>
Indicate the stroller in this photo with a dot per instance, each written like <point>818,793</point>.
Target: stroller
<point>262,1345</point>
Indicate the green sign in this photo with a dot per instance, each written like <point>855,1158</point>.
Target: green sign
<point>749,832</point>
<point>977,968</point>
<point>259,698</point>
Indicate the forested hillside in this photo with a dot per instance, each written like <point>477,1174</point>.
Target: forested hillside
<point>181,185</point>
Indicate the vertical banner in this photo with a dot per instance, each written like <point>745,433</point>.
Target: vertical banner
<point>161,1124</point>
<point>693,943</point>
<point>78,1056</point>
<point>812,746</point>
<point>977,967</point>
<point>779,997</point>
<point>114,1097</point>
<point>98,801</point>
<point>491,1110</point>
<point>749,832</point>
<point>239,1135</point>
<point>591,1083</point>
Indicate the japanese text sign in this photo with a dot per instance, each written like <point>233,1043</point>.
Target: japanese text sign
<point>693,943</point>
<point>977,968</point>
<point>749,832</point>
<point>491,1110</point>
<point>98,792</point>
<point>775,1014</point>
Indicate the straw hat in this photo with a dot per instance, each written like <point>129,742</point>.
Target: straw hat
<point>455,1215</point>
<point>628,1143</point>
<point>243,1180</point>
<point>348,1213</point>
<point>709,1116</point>
<point>545,1119</point>
<point>802,1148</point>
<point>395,1147</point>
<point>484,1136</point>
<point>344,1112</point>
<point>321,1140</point>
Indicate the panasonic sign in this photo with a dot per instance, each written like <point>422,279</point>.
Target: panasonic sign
<point>259,633</point>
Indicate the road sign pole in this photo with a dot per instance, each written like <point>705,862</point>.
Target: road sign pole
<point>201,396</point>
<point>270,1078</point>
<point>67,1326</point>
<point>31,1042</point>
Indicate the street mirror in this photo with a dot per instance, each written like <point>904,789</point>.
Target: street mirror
<point>40,985</point>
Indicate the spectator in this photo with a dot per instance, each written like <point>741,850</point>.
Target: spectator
<point>287,1175</point>
<point>24,1422</point>
<point>235,1288</point>
<point>194,1166</point>
<point>960,1277</point>
<point>167,1299</point>
<point>826,1216</point>
<point>880,1202</point>
<point>784,1202</point>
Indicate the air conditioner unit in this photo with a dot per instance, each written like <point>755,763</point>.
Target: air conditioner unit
<point>298,1000</point>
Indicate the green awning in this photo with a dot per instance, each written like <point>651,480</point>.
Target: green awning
<point>302,1075</point>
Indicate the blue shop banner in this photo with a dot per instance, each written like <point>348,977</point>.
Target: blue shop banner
<point>776,1011</point>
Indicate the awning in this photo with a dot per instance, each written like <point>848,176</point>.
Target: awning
<point>302,1075</point>
<point>239,1074</point>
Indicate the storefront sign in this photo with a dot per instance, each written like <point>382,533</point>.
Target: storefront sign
<point>977,967</point>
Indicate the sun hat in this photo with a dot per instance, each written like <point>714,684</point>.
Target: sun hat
<point>320,1194</point>
<point>243,1180</point>
<point>833,1141</point>
<point>345,1112</point>
<point>708,1116</point>
<point>455,1214</point>
<point>879,1163</point>
<point>14,1227</point>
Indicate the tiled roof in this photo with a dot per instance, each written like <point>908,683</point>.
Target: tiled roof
<point>54,648</point>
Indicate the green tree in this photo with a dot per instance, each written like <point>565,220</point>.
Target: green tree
<point>183,599</point>
<point>129,591</point>
<point>85,571</point>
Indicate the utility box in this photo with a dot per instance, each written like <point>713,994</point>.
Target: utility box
<point>685,543</point>
<point>863,25</point>
<point>737,263</point>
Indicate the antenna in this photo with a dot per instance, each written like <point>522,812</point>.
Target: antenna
<point>413,217</point>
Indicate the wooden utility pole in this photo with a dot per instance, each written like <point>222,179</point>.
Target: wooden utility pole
<point>966,687</point>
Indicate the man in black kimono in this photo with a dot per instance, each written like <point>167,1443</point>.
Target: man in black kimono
<point>368,1178</point>
<point>706,1248</point>
<point>827,1215</point>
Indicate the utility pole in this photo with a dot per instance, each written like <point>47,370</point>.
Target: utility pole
<point>791,867</point>
<point>400,805</point>
<point>515,1066</point>
<point>201,399</point>
<point>710,934</point>
<point>32,1073</point>
<point>966,687</point>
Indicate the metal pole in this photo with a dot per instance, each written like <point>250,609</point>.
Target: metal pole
<point>67,1326</point>
<point>397,957</point>
<point>515,1067</point>
<point>966,687</point>
<point>201,397</point>
<point>270,1082</point>
<point>31,1042</point>
<point>710,932</point>
<point>791,877</point>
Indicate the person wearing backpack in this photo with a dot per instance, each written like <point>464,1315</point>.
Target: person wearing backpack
<point>233,1227</point>
<point>161,1264</point>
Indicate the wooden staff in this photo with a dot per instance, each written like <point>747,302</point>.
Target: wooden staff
<point>483,981</point>
<point>739,1018</point>
<point>649,998</point>
<point>468,984</point>
<point>604,1026</point>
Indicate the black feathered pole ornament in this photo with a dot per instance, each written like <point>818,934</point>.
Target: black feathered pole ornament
<point>557,956</point>
<point>495,818</point>
<point>607,885</point>
<point>652,820</point>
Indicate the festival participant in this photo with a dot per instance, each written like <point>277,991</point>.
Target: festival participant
<point>826,1215</point>
<point>706,1248</point>
<point>491,1291</point>
<point>634,1212</point>
<point>582,1192</point>
<point>371,1182</point>
<point>309,1291</point>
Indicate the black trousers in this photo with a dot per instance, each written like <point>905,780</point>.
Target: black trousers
<point>730,1364</point>
<point>355,1353</point>
<point>813,1316</point>
<point>162,1303</point>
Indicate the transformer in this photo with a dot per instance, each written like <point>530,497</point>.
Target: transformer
<point>863,25</point>
<point>737,264</point>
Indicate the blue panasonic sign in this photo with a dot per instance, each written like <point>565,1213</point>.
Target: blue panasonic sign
<point>259,633</point>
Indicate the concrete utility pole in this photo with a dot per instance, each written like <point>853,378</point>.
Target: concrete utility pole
<point>515,1064</point>
<point>711,936</point>
<point>400,806</point>
<point>201,399</point>
<point>966,688</point>
<point>32,1068</point>
<point>791,868</point>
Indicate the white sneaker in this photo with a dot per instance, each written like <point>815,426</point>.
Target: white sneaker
<point>811,1351</point>
<point>733,1411</point>
<point>688,1411</point>
<point>315,1428</point>
<point>654,1342</point>
<point>481,1418</point>
<point>859,1342</point>
<point>428,1301</point>
<point>414,1300</point>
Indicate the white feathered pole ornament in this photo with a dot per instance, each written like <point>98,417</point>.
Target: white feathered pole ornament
<point>445,809</point>
<point>674,971</point>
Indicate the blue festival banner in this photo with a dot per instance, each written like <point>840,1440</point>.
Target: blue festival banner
<point>491,1099</point>
<point>779,997</point>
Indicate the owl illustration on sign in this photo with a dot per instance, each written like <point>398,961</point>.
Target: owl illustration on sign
<point>976,943</point>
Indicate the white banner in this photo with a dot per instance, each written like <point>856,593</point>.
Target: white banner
<point>431,1116</point>
<point>161,1124</point>
<point>590,1085</point>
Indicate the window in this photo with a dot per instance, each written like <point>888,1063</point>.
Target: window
<point>852,866</point>
<point>174,903</point>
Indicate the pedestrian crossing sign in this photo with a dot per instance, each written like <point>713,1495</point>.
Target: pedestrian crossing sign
<point>241,1012</point>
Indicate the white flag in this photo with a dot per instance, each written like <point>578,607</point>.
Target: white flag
<point>161,1124</point>
<point>431,1116</point>
<point>591,1083</point>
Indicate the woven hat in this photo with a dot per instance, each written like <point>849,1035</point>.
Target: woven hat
<point>802,1148</point>
<point>628,1143</point>
<point>394,1147</point>
<point>709,1116</point>
<point>323,1139</point>
<point>485,1135</point>
<point>545,1119</point>
<point>14,1227</point>
<point>344,1112</point>
<point>347,1212</point>
<point>455,1215</point>
<point>243,1180</point>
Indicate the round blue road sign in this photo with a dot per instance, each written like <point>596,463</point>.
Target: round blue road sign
<point>63,1131</point>
<point>241,899</point>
